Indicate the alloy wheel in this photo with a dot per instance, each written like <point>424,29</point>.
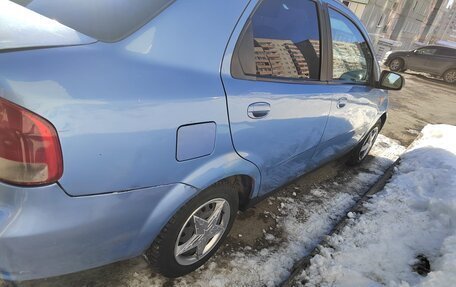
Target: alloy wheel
<point>395,65</point>
<point>450,77</point>
<point>368,143</point>
<point>202,230</point>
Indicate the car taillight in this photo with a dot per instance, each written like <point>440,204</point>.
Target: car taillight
<point>30,152</point>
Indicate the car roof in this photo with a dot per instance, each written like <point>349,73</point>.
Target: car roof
<point>438,46</point>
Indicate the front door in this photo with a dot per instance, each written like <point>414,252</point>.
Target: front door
<point>355,106</point>
<point>278,108</point>
<point>420,58</point>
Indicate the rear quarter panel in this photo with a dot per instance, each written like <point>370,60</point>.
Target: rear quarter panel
<point>117,107</point>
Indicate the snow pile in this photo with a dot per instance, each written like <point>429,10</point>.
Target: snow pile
<point>414,215</point>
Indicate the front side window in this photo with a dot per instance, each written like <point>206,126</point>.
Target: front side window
<point>281,40</point>
<point>352,58</point>
<point>426,51</point>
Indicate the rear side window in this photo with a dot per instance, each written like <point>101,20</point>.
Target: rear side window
<point>352,58</point>
<point>105,20</point>
<point>447,52</point>
<point>281,40</point>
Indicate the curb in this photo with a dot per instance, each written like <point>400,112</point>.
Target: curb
<point>302,264</point>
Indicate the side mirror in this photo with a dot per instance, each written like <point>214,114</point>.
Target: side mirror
<point>391,81</point>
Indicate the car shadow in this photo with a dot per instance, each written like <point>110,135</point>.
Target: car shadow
<point>429,78</point>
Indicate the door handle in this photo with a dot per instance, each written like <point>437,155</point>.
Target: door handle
<point>258,110</point>
<point>341,103</point>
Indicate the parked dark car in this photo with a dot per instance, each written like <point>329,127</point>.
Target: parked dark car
<point>436,60</point>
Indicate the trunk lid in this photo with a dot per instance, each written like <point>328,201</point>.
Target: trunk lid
<point>21,28</point>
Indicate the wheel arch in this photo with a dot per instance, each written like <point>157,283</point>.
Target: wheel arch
<point>228,168</point>
<point>244,186</point>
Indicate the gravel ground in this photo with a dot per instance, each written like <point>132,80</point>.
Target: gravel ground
<point>423,100</point>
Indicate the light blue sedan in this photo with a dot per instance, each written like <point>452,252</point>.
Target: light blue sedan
<point>143,126</point>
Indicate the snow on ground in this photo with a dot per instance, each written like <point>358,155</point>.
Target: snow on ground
<point>415,214</point>
<point>305,219</point>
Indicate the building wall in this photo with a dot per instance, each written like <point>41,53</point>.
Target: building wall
<point>357,8</point>
<point>445,28</point>
<point>377,16</point>
<point>411,18</point>
<point>408,22</point>
<point>432,20</point>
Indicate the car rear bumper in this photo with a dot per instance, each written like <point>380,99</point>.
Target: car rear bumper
<point>44,232</point>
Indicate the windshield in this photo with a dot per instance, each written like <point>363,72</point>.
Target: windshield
<point>105,20</point>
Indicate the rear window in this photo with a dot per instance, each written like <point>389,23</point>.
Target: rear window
<point>105,20</point>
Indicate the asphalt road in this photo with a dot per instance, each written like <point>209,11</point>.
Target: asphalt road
<point>423,100</point>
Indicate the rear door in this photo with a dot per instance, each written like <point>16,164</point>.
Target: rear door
<point>278,105</point>
<point>441,60</point>
<point>420,58</point>
<point>356,101</point>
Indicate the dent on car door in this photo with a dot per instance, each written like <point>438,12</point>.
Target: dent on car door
<point>355,101</point>
<point>278,108</point>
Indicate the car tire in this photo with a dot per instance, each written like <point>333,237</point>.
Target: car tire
<point>450,76</point>
<point>396,65</point>
<point>172,254</point>
<point>360,152</point>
